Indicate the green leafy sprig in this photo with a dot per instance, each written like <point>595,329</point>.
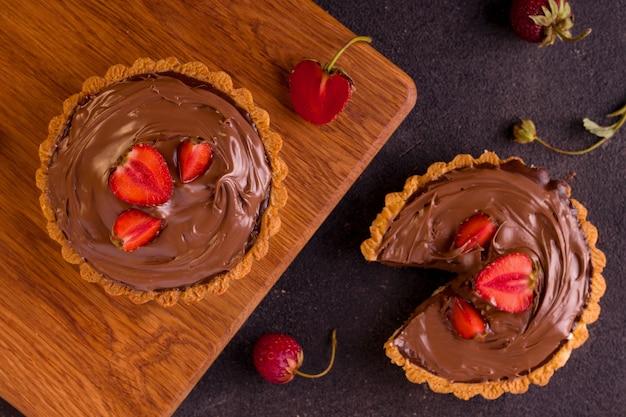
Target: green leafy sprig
<point>526,132</point>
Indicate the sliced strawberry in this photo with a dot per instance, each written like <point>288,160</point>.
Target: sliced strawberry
<point>134,228</point>
<point>320,92</point>
<point>508,282</point>
<point>465,319</point>
<point>317,95</point>
<point>194,158</point>
<point>142,177</point>
<point>475,231</point>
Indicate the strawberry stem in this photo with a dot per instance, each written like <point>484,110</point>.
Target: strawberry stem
<point>568,38</point>
<point>573,153</point>
<point>330,364</point>
<point>525,132</point>
<point>330,64</point>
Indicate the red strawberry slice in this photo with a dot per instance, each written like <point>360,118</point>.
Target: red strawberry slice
<point>508,283</point>
<point>194,158</point>
<point>134,228</point>
<point>142,177</point>
<point>475,231</point>
<point>319,93</point>
<point>465,319</point>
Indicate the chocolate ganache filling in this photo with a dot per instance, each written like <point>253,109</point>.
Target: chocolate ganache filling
<point>534,216</point>
<point>210,223</point>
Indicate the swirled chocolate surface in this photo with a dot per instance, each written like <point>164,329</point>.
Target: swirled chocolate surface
<point>534,216</point>
<point>210,223</point>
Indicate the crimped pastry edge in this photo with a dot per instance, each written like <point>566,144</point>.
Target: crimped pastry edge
<point>270,220</point>
<point>394,202</point>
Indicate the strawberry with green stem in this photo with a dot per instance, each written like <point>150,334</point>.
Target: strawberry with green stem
<point>543,21</point>
<point>278,357</point>
<point>320,92</point>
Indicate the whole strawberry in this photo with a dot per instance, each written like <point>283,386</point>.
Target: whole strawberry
<point>543,21</point>
<point>278,357</point>
<point>319,93</point>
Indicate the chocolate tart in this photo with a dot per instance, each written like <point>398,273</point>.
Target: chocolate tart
<point>534,215</point>
<point>216,227</point>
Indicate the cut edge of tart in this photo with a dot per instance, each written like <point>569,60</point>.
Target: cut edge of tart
<point>270,221</point>
<point>394,203</point>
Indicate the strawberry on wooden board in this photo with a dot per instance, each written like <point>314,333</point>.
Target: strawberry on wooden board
<point>134,228</point>
<point>475,231</point>
<point>543,21</point>
<point>278,357</point>
<point>141,177</point>
<point>508,282</point>
<point>320,92</point>
<point>465,319</point>
<point>194,158</point>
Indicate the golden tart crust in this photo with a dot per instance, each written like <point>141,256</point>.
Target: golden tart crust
<point>395,202</point>
<point>270,220</point>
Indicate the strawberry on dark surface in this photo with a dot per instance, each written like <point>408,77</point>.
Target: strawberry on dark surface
<point>278,357</point>
<point>543,21</point>
<point>141,177</point>
<point>194,158</point>
<point>134,229</point>
<point>320,92</point>
<point>508,282</point>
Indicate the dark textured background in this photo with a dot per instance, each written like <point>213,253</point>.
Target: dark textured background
<point>475,79</point>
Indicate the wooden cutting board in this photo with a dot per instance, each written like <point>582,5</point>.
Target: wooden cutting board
<point>66,348</point>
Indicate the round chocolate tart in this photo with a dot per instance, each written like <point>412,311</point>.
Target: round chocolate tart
<point>527,274</point>
<point>162,181</point>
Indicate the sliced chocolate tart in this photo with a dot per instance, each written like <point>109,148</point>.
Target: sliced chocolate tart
<point>162,181</point>
<point>527,274</point>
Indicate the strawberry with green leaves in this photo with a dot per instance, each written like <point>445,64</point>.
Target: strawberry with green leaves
<point>543,21</point>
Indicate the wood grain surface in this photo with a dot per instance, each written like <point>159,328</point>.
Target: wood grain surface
<point>68,349</point>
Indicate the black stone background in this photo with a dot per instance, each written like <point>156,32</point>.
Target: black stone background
<point>475,79</point>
